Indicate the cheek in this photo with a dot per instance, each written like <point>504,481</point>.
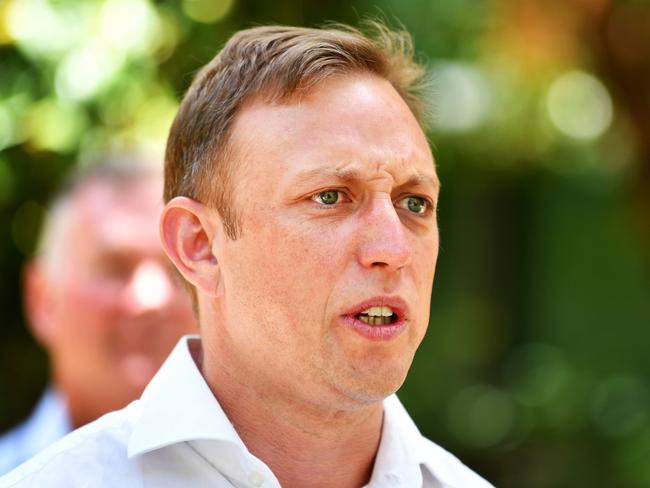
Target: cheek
<point>313,258</point>
<point>425,257</point>
<point>285,267</point>
<point>86,313</point>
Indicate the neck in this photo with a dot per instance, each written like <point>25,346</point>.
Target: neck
<point>80,412</point>
<point>304,444</point>
<point>86,402</point>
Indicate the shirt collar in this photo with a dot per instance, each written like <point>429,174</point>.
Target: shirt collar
<point>399,456</point>
<point>404,453</point>
<point>178,406</point>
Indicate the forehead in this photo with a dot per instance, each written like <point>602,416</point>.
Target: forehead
<point>115,215</point>
<point>358,122</point>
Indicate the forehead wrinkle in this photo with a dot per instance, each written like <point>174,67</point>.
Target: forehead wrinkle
<point>421,179</point>
<point>416,178</point>
<point>347,172</point>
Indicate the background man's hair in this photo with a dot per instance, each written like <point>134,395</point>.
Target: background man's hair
<point>117,170</point>
<point>275,63</point>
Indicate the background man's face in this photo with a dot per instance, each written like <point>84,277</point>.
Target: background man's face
<point>110,310</point>
<point>337,193</point>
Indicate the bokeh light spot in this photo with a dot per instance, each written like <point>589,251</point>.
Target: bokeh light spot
<point>168,34</point>
<point>5,35</point>
<point>119,104</point>
<point>153,120</point>
<point>45,28</point>
<point>460,97</point>
<point>7,127</point>
<point>579,105</point>
<point>620,405</point>
<point>86,70</point>
<point>129,25</point>
<point>207,11</point>
<point>538,373</point>
<point>481,416</point>
<point>54,125</point>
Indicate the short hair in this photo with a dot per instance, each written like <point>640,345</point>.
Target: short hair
<point>117,170</point>
<point>276,63</point>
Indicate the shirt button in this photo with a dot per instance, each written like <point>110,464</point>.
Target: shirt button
<point>256,478</point>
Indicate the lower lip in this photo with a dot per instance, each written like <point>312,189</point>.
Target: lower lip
<point>375,332</point>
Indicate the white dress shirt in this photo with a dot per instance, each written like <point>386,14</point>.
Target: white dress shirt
<point>176,435</point>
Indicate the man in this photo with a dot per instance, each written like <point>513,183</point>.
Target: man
<point>100,299</point>
<point>301,197</point>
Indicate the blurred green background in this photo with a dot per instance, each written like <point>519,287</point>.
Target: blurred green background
<point>536,367</point>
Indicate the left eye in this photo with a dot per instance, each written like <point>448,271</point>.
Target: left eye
<point>327,197</point>
<point>417,205</point>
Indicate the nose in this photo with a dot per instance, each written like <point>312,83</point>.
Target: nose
<point>149,288</point>
<point>384,243</point>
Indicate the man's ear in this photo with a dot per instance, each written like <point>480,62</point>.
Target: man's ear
<point>38,302</point>
<point>187,228</point>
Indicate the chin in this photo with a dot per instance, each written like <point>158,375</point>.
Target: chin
<point>367,376</point>
<point>371,387</point>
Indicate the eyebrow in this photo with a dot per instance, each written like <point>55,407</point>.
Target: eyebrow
<point>420,179</point>
<point>353,175</point>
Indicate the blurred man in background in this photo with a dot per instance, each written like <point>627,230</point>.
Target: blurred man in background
<point>100,298</point>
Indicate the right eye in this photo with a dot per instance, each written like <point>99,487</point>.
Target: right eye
<point>327,197</point>
<point>415,204</point>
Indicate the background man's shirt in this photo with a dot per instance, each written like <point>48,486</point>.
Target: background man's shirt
<point>177,435</point>
<point>48,422</point>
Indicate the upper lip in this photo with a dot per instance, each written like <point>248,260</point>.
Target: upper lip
<point>398,306</point>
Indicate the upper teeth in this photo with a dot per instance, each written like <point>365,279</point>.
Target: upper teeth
<point>378,311</point>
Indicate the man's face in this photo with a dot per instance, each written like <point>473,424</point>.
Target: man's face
<point>337,193</point>
<point>111,309</point>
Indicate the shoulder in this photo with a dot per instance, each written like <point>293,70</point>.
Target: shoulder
<point>448,469</point>
<point>47,423</point>
<point>11,448</point>
<point>94,449</point>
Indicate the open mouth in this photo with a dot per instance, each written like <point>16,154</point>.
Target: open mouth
<point>377,316</point>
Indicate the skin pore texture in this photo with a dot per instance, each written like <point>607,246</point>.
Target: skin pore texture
<point>101,299</point>
<point>337,192</point>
